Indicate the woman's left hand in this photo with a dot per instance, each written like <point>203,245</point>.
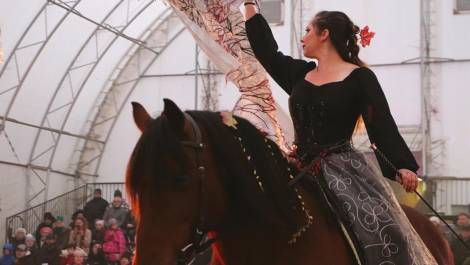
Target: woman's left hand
<point>408,179</point>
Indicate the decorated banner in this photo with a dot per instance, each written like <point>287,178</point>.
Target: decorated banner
<point>218,27</point>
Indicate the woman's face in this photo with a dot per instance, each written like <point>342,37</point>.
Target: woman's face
<point>20,235</point>
<point>99,226</point>
<point>29,242</point>
<point>95,248</point>
<point>78,223</point>
<point>20,253</point>
<point>312,40</point>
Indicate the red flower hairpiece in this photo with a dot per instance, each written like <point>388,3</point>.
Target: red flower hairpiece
<point>366,36</point>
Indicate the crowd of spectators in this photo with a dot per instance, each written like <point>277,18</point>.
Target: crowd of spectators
<point>104,234</point>
<point>462,227</point>
<point>101,234</point>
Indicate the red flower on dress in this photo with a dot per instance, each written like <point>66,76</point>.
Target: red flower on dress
<point>366,36</point>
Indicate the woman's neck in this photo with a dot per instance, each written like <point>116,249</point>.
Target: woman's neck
<point>329,60</point>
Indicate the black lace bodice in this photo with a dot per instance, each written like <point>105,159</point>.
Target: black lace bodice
<point>326,114</point>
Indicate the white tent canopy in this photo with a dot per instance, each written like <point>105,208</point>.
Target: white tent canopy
<point>71,68</point>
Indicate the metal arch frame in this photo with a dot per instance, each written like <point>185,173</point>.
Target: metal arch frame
<point>106,114</point>
<point>100,53</point>
<point>17,47</point>
<point>106,89</point>
<point>21,77</point>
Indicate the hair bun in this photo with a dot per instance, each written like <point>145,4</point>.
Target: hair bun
<point>355,28</point>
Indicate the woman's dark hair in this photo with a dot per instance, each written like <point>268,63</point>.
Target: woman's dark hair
<point>84,221</point>
<point>76,213</point>
<point>49,216</point>
<point>343,34</point>
<point>99,257</point>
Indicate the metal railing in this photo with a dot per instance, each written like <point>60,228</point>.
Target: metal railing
<point>448,195</point>
<point>64,205</point>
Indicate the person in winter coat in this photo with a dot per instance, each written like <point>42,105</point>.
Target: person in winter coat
<point>114,242</point>
<point>30,242</point>
<point>47,221</point>
<point>49,253</point>
<point>18,237</point>
<point>23,256</point>
<point>129,229</point>
<point>116,211</point>
<point>44,231</point>
<point>95,208</point>
<point>98,232</point>
<point>62,233</point>
<point>80,236</point>
<point>96,256</point>
<point>8,257</point>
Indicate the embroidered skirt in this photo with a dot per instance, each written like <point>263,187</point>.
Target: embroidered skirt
<point>368,209</point>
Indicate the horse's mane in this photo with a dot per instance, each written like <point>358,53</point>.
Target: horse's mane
<point>275,203</point>
<point>231,148</point>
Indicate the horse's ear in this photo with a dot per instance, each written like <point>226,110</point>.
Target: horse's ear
<point>174,115</point>
<point>141,116</point>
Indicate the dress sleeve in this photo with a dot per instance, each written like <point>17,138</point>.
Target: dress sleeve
<point>381,126</point>
<point>283,69</point>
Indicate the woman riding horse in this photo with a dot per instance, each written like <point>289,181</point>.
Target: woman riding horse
<point>326,102</point>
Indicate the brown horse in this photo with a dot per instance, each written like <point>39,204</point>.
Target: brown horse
<point>191,174</point>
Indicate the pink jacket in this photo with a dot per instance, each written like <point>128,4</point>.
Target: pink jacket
<point>114,243</point>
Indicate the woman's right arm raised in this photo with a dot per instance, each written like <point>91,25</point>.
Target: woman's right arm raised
<point>250,9</point>
<point>283,69</point>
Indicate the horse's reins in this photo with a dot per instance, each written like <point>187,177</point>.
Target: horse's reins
<point>198,244</point>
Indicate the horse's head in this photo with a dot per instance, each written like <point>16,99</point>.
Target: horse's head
<point>236,182</point>
<point>169,179</point>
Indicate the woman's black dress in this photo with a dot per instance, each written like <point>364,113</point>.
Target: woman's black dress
<point>325,115</point>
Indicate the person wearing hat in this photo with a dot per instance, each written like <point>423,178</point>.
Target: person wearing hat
<point>49,253</point>
<point>44,231</point>
<point>48,220</point>
<point>30,242</point>
<point>98,231</point>
<point>62,233</point>
<point>8,258</point>
<point>23,256</point>
<point>18,237</point>
<point>95,208</point>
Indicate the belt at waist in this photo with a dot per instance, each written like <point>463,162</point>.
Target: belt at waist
<point>305,153</point>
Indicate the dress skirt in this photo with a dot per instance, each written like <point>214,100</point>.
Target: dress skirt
<point>364,201</point>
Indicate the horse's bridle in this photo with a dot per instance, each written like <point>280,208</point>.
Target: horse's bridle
<point>199,242</point>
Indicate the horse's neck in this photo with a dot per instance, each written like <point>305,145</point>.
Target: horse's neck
<point>248,246</point>
<point>267,244</point>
